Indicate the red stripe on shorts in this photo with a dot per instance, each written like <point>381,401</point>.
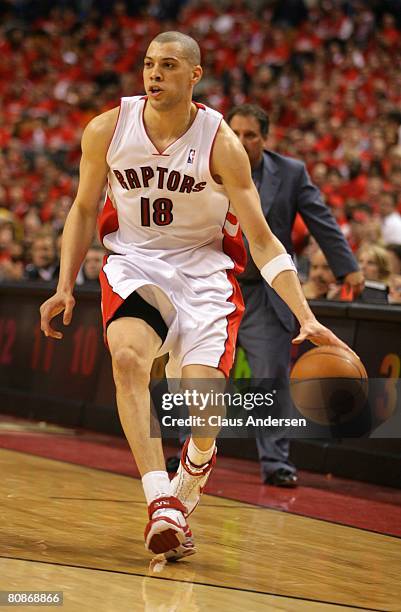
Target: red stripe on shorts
<point>110,300</point>
<point>233,323</point>
<point>108,223</point>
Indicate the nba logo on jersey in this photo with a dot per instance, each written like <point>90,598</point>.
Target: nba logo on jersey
<point>191,156</point>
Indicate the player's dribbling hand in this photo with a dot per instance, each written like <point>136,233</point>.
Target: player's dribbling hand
<point>58,303</point>
<point>320,335</point>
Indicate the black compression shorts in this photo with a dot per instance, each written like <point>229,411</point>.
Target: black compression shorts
<point>137,307</point>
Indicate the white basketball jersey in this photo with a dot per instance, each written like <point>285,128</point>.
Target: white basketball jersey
<point>166,205</point>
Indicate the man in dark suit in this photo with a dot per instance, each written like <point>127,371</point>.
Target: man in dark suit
<point>268,326</point>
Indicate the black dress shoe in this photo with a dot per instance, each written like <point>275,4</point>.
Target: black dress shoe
<point>172,464</point>
<point>282,478</point>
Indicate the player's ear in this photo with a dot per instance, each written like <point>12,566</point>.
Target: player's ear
<point>197,73</point>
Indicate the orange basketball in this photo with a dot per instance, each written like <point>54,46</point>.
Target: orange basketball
<point>329,385</point>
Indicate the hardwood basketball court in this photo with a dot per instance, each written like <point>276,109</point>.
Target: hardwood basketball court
<point>79,530</point>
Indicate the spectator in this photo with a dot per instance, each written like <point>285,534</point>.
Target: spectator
<point>12,269</point>
<point>93,262</point>
<point>60,212</point>
<point>319,175</point>
<point>304,257</point>
<point>394,251</point>
<point>390,218</point>
<point>394,293</point>
<point>364,227</point>
<point>375,264</point>
<point>32,226</point>
<point>321,283</point>
<point>11,251</point>
<point>45,264</point>
<point>6,239</point>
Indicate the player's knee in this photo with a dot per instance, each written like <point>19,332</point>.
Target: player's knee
<point>130,364</point>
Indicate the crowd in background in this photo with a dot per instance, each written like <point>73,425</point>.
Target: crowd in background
<point>325,71</point>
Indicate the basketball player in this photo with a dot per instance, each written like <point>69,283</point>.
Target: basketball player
<point>177,181</point>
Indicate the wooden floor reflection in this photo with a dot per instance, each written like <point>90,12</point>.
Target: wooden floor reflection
<point>79,530</point>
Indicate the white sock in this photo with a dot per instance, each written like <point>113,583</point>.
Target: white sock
<point>197,456</point>
<point>156,484</point>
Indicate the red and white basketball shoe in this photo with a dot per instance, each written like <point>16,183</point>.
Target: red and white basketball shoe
<point>167,529</point>
<point>190,480</point>
<point>185,549</point>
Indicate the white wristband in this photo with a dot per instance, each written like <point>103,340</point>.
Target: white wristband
<point>276,265</point>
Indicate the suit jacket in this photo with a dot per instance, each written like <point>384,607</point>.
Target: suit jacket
<point>285,190</point>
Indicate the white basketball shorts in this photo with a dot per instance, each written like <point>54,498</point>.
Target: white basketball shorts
<point>202,314</point>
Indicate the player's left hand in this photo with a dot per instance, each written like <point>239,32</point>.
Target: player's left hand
<point>320,335</point>
<point>356,281</point>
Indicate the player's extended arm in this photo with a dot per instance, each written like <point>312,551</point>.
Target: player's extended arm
<point>81,220</point>
<point>230,163</point>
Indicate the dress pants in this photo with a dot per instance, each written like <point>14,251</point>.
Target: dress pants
<point>267,344</point>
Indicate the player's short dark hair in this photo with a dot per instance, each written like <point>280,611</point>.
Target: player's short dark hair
<point>188,44</point>
<point>251,110</point>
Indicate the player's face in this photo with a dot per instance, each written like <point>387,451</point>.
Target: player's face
<point>168,76</point>
<point>248,131</point>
